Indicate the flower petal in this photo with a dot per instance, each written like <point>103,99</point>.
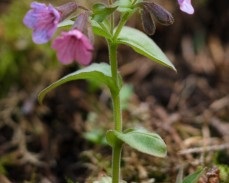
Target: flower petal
<point>43,20</point>
<point>73,45</point>
<point>186,6</point>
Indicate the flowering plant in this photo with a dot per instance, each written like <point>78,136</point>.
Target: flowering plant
<point>77,45</point>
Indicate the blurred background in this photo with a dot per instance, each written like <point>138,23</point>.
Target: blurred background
<point>63,139</point>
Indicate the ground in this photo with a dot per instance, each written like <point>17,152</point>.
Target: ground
<point>62,140</point>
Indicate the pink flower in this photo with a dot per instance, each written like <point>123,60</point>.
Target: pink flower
<point>43,20</point>
<point>73,46</point>
<point>186,6</point>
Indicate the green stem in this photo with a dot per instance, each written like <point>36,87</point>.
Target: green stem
<point>111,18</point>
<point>112,47</point>
<point>122,22</point>
<point>116,155</point>
<point>117,148</point>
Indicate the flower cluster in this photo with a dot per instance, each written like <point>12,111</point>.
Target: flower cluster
<point>74,45</point>
<point>70,46</point>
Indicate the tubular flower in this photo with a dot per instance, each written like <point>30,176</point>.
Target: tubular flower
<point>73,46</point>
<point>186,6</point>
<point>43,20</point>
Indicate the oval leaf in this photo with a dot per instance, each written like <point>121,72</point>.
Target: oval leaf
<point>97,72</point>
<point>146,142</point>
<point>143,45</point>
<point>193,178</point>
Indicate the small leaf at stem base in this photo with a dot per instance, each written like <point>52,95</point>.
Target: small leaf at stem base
<point>143,141</point>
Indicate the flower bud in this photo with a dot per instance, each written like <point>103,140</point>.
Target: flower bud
<point>148,22</point>
<point>81,22</point>
<point>161,14</point>
<point>67,9</point>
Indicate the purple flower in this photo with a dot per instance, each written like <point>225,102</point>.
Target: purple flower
<point>43,20</point>
<point>186,6</point>
<point>73,46</point>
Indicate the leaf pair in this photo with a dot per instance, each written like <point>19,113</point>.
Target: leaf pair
<point>143,141</point>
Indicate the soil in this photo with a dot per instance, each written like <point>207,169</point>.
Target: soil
<point>51,143</point>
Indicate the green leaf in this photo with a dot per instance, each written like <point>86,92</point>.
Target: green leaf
<point>96,136</point>
<point>143,141</point>
<point>193,178</point>
<point>143,45</point>
<point>126,5</point>
<point>111,138</point>
<point>101,11</point>
<point>97,72</point>
<point>101,29</point>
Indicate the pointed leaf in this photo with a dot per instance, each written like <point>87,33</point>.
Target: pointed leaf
<point>98,72</point>
<point>99,30</point>
<point>143,45</point>
<point>193,178</point>
<point>146,142</point>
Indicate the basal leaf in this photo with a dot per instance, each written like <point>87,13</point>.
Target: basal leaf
<point>143,45</point>
<point>146,142</point>
<point>98,72</point>
<point>193,178</point>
